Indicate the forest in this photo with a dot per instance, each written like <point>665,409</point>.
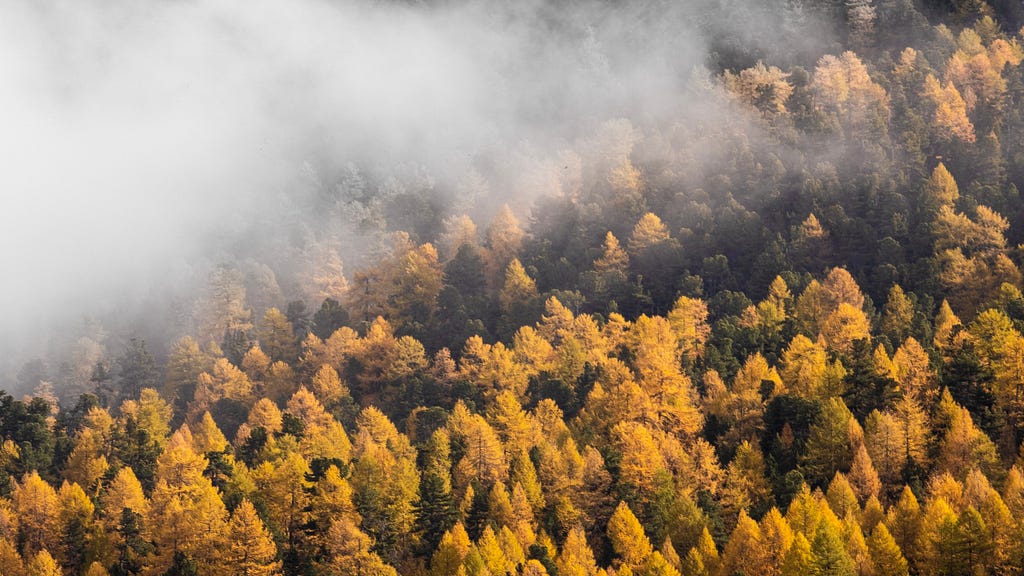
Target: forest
<point>781,335</point>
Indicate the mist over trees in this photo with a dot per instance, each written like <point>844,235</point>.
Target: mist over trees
<point>582,288</point>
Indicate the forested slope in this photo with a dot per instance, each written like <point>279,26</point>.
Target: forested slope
<point>782,340</point>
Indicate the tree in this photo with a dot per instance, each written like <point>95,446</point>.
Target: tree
<point>776,538</point>
<point>504,240</point>
<point>329,318</point>
<point>965,447</point>
<point>688,319</point>
<point>914,373</point>
<point>223,308</point>
<point>863,478</point>
<point>36,505</point>
<point>844,326</point>
<point>628,539</point>
<point>762,87</point>
<point>130,545</point>
<point>948,114</point>
<point>277,337</point>
<point>912,430</point>
<point>830,555</point>
<point>843,87</point>
<point>136,369</point>
<point>860,17</point>
<point>183,496</point>
<point>937,539</point>
<point>804,366</point>
<point>324,277</point>
<point>350,553</point>
<point>518,297</point>
<point>799,559</point>
<point>576,557</point>
<point>886,557</point>
<point>829,448</point>
<point>75,524</point>
<point>184,366</point>
<point>251,551</point>
<point>42,564</point>
<point>945,324</point>
<point>225,381</point>
<point>972,545</point>
<point>451,552</point>
<point>898,315</point>
<point>151,413</point>
<point>385,480</point>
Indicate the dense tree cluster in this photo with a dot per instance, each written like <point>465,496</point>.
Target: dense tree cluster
<point>790,343</point>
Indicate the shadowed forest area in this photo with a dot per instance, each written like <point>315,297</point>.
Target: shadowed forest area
<point>771,323</point>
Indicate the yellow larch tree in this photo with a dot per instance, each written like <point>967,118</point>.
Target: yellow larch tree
<point>689,321</point>
<point>504,240</point>
<point>385,466</point>
<point>251,550</point>
<point>183,496</point>
<point>844,326</point>
<point>804,364</point>
<point>744,551</point>
<point>914,373</point>
<point>776,540</point>
<point>36,504</point>
<point>886,557</point>
<point>948,111</point>
<point>43,564</point>
<point>628,539</point>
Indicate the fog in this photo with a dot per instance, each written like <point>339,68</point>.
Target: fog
<point>143,141</point>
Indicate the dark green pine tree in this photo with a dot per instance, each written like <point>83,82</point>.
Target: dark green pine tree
<point>132,547</point>
<point>100,380</point>
<point>182,565</point>
<point>133,446</point>
<point>331,316</point>
<point>136,369</point>
<point>74,545</point>
<point>435,511</point>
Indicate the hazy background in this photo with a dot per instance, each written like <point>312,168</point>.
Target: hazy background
<point>143,142</point>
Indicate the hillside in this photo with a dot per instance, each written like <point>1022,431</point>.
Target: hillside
<point>771,324</point>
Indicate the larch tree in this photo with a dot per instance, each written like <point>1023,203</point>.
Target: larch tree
<point>689,321</point>
<point>43,564</point>
<point>804,366</point>
<point>844,326</point>
<point>184,365</point>
<point>504,241</point>
<point>37,506</point>
<point>518,297</point>
<point>966,447</point>
<point>863,477</point>
<point>914,373</point>
<point>223,308</point>
<point>611,270</point>
<point>251,550</point>
<point>912,430</point>
<point>886,557</point>
<point>946,323</point>
<point>277,336</point>
<point>830,555</point>
<point>776,539</point>
<point>183,496</point>
<point>744,552</point>
<point>765,88</point>
<point>628,538</point>
<point>385,480</point>
<point>799,559</point>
